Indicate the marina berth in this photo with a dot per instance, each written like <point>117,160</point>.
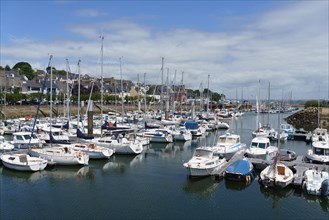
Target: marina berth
<point>23,162</point>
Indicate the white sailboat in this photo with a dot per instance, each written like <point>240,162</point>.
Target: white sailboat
<point>277,175</point>
<point>23,162</point>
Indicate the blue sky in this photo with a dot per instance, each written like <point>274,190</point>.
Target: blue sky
<point>237,43</point>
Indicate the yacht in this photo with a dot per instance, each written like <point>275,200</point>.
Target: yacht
<point>24,140</point>
<point>203,162</point>
<point>261,148</point>
<point>227,145</point>
<point>319,152</point>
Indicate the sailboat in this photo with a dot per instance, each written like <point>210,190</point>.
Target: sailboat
<point>58,154</point>
<point>276,175</point>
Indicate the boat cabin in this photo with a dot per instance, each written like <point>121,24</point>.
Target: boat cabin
<point>260,142</point>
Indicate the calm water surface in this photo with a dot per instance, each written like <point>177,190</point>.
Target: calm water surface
<point>153,185</point>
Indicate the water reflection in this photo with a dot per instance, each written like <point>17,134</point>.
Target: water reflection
<point>201,186</point>
<point>324,203</point>
<point>23,176</point>
<point>120,163</point>
<point>275,194</point>
<point>236,185</point>
<point>67,172</point>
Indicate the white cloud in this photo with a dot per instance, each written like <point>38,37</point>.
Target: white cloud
<point>288,46</point>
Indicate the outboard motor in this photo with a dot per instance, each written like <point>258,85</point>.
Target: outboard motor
<point>325,188</point>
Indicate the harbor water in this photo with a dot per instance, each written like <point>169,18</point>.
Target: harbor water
<point>154,185</point>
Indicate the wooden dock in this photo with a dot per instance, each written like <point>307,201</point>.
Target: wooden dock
<point>298,165</point>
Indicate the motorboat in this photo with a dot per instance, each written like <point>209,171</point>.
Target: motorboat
<point>222,125</point>
<point>54,135</point>
<point>93,151</point>
<point>25,140</point>
<point>61,155</point>
<point>203,162</point>
<point>283,136</point>
<point>316,182</point>
<point>287,155</point>
<point>276,175</point>
<point>261,148</point>
<point>194,128</point>
<point>240,170</point>
<point>23,162</point>
<point>158,135</point>
<point>227,145</point>
<point>181,134</point>
<point>319,152</point>
<point>289,129</point>
<point>120,145</point>
<point>5,145</point>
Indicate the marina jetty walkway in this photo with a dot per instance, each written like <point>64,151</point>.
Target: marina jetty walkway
<point>298,165</point>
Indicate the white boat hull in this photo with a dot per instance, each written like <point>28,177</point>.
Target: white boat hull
<point>60,157</point>
<point>29,164</point>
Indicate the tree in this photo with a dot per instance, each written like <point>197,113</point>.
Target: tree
<point>25,69</point>
<point>7,68</point>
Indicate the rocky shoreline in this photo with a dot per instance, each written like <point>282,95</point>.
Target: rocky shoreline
<point>308,118</point>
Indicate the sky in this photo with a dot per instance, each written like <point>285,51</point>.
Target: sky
<point>238,48</point>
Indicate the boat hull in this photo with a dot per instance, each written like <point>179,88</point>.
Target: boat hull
<point>31,164</point>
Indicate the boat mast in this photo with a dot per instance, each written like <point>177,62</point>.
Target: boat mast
<point>180,94</point>
<point>102,84</point>
<point>167,96</point>
<point>144,97</point>
<point>208,97</point>
<point>139,102</point>
<point>122,106</point>
<point>67,89</point>
<point>268,114</point>
<point>78,123</point>
<point>51,92</point>
<point>161,95</point>
<point>175,94</point>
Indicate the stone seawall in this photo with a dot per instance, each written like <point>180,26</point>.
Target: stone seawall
<point>308,118</point>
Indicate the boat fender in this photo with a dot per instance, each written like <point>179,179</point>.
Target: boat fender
<point>248,178</point>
